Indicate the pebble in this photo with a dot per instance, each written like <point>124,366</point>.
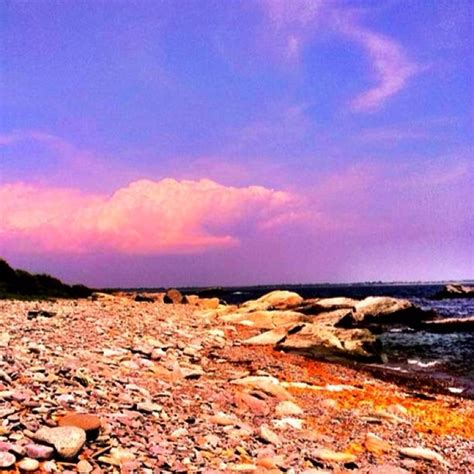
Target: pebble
<point>295,423</point>
<point>28,465</point>
<point>288,408</point>
<point>6,459</point>
<point>149,407</point>
<point>223,419</point>
<point>38,451</point>
<point>244,401</point>
<point>67,440</point>
<point>328,455</point>
<point>268,435</point>
<point>375,444</point>
<point>84,467</point>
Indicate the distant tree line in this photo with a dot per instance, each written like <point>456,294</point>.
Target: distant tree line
<point>22,284</point>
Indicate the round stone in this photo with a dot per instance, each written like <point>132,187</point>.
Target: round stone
<point>6,459</point>
<point>67,440</point>
<point>89,423</point>
<point>28,465</point>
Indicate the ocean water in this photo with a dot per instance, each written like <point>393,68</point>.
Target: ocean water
<point>444,359</point>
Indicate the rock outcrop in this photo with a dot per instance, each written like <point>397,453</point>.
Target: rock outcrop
<point>383,310</point>
<point>310,327</point>
<point>455,291</point>
<point>328,328</point>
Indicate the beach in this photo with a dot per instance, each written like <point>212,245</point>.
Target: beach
<point>175,390</point>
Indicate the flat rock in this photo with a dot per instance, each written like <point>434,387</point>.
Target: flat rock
<point>288,408</point>
<point>67,440</point>
<point>422,453</point>
<point>268,337</point>
<point>269,385</point>
<point>38,451</point>
<point>330,343</point>
<point>264,319</point>
<point>447,325</point>
<point>455,291</point>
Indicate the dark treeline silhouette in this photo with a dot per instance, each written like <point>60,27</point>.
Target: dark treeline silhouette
<point>19,283</point>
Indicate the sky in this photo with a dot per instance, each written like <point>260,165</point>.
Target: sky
<point>161,143</point>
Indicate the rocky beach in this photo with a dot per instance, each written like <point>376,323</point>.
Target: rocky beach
<point>130,383</point>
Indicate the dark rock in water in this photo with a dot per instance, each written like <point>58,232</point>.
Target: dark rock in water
<point>455,291</point>
<point>142,298</point>
<point>40,312</point>
<point>173,296</point>
<point>211,292</point>
<point>448,325</point>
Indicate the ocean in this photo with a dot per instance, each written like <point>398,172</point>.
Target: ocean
<point>444,360</point>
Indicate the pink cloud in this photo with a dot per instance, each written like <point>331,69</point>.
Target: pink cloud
<point>145,217</point>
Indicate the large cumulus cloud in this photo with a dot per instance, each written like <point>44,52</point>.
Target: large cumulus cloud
<point>144,217</point>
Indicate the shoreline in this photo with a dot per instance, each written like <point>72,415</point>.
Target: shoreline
<point>172,389</point>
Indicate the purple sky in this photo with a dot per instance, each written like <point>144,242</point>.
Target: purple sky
<point>216,143</point>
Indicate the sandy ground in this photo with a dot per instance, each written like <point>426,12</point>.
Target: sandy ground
<point>179,393</point>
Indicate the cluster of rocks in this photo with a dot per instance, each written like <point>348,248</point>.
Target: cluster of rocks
<point>117,385</point>
<point>330,328</point>
<point>171,296</point>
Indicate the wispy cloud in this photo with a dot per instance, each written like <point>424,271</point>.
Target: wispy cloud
<point>292,23</point>
<point>296,23</point>
<point>390,65</point>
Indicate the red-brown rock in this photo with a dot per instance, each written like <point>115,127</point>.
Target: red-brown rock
<point>91,424</point>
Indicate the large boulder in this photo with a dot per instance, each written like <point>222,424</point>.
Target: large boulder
<point>383,310</point>
<point>280,299</point>
<point>173,296</point>
<point>455,291</point>
<point>331,343</point>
